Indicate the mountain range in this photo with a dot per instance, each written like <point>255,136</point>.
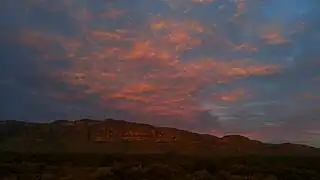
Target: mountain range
<point>117,136</point>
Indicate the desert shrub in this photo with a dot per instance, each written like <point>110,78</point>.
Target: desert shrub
<point>103,173</point>
<point>202,175</point>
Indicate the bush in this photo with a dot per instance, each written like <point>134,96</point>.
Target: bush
<point>103,173</point>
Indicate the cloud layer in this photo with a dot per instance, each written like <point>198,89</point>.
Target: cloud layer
<point>212,66</point>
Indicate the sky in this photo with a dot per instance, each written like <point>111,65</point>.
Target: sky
<point>248,67</point>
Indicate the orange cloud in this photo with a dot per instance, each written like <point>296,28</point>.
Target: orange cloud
<point>244,47</point>
<point>142,71</point>
<point>273,35</point>
<point>169,24</point>
<point>274,38</point>
<point>118,35</point>
<point>182,40</point>
<point>232,96</point>
<point>183,35</point>
<point>147,50</point>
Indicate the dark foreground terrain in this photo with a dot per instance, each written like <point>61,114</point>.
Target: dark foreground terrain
<point>64,166</point>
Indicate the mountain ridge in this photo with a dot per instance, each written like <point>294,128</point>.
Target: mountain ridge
<point>119,136</point>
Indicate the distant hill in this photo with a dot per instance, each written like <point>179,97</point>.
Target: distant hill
<point>117,136</point>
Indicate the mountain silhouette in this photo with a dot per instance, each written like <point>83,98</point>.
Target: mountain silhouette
<point>117,136</point>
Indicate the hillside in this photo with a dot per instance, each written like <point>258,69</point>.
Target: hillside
<point>116,136</point>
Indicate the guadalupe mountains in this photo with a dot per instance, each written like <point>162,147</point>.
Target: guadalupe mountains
<point>116,136</point>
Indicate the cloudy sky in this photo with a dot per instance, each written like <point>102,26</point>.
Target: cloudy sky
<point>248,67</point>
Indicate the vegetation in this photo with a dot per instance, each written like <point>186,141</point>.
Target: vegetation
<point>64,166</point>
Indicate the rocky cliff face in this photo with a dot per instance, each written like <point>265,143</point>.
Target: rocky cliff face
<point>108,131</point>
<point>104,131</point>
